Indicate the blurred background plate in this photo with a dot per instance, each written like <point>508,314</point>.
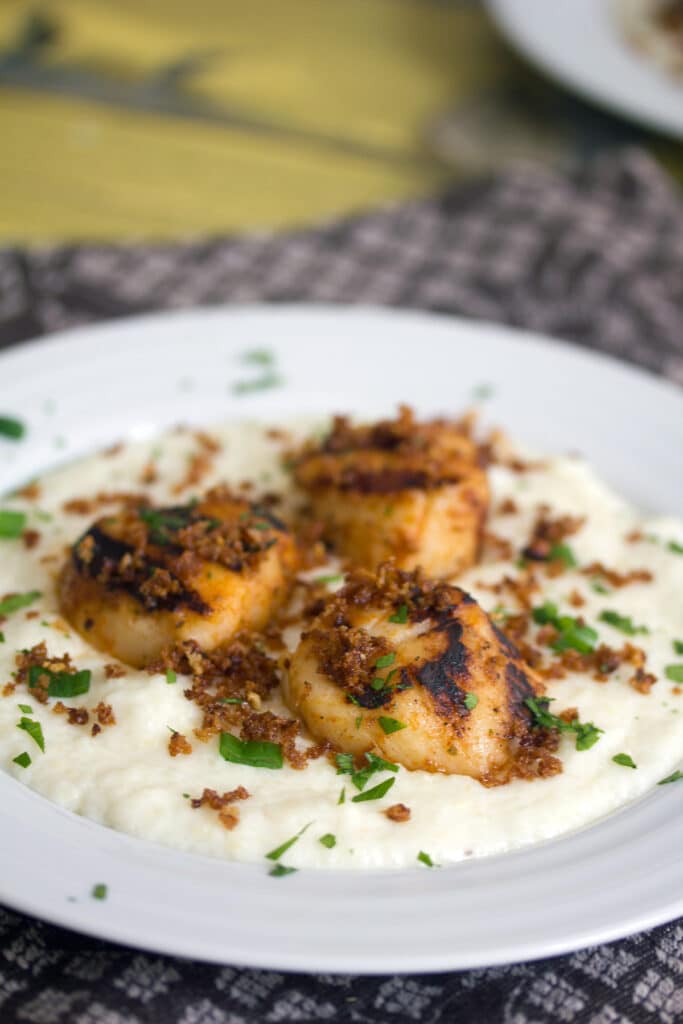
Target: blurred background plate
<point>580,42</point>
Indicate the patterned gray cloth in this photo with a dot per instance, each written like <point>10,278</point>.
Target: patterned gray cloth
<point>595,256</point>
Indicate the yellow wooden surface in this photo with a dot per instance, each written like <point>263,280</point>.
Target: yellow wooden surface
<point>84,154</point>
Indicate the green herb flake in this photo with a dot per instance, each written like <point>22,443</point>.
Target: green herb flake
<point>344,764</point>
<point>621,622</point>
<point>26,709</point>
<point>11,523</point>
<point>587,734</point>
<point>61,684</point>
<point>425,859</point>
<point>255,753</point>
<point>674,673</point>
<point>171,676</point>
<point>2,638</point>
<point>279,850</point>
<point>332,578</point>
<point>471,701</point>
<point>231,700</point>
<point>99,891</point>
<point>17,601</point>
<point>263,383</point>
<point>571,633</point>
<point>674,546</point>
<point>389,725</point>
<point>374,764</point>
<point>23,760</point>
<point>12,429</point>
<point>35,731</point>
<point>599,587</point>
<point>359,721</point>
<point>386,660</point>
<point>280,870</point>
<point>563,553</point>
<point>377,684</point>
<point>258,357</point>
<point>625,760</point>
<point>328,840</point>
<point>677,646</point>
<point>675,777</point>
<point>342,796</point>
<point>401,616</point>
<point>376,793</point>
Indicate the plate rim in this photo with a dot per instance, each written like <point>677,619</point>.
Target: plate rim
<point>570,75</point>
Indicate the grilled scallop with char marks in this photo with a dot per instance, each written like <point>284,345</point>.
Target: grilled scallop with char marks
<point>399,489</point>
<point>149,577</point>
<point>416,672</point>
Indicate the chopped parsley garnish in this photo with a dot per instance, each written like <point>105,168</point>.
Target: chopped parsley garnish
<point>11,523</point>
<point>344,764</point>
<point>625,760</point>
<point>280,870</point>
<point>279,850</point>
<point>359,721</point>
<point>425,859</point>
<point>674,546</point>
<point>342,796</point>
<point>386,660</point>
<point>377,684</point>
<point>171,676</point>
<point>17,601</point>
<point>35,731</point>
<point>23,760</point>
<point>587,734</point>
<point>471,701</point>
<point>259,357</point>
<point>674,673</point>
<point>263,383</point>
<point>675,777</point>
<point>571,633</point>
<point>99,891</point>
<point>389,725</point>
<point>163,522</point>
<point>599,587</point>
<point>621,622</point>
<point>678,646</point>
<point>11,428</point>
<point>563,553</point>
<point>231,700</point>
<point>256,753</point>
<point>26,709</point>
<point>376,793</point>
<point>328,840</point>
<point>400,616</point>
<point>61,684</point>
<point>359,778</point>
<point>332,578</point>
<point>2,639</point>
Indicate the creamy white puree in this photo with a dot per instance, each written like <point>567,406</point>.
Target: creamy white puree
<point>125,778</point>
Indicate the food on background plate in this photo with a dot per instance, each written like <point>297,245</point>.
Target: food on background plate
<point>655,29</point>
<point>222,643</point>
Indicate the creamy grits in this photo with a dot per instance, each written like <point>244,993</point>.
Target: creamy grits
<point>125,778</point>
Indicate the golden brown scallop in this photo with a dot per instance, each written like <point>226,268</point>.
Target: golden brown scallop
<point>149,577</point>
<point>416,672</point>
<point>399,489</point>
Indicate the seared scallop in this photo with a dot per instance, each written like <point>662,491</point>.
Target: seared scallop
<point>416,672</point>
<point>399,489</point>
<point>148,577</point>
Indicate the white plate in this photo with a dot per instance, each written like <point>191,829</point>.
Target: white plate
<point>138,376</point>
<point>579,42</point>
